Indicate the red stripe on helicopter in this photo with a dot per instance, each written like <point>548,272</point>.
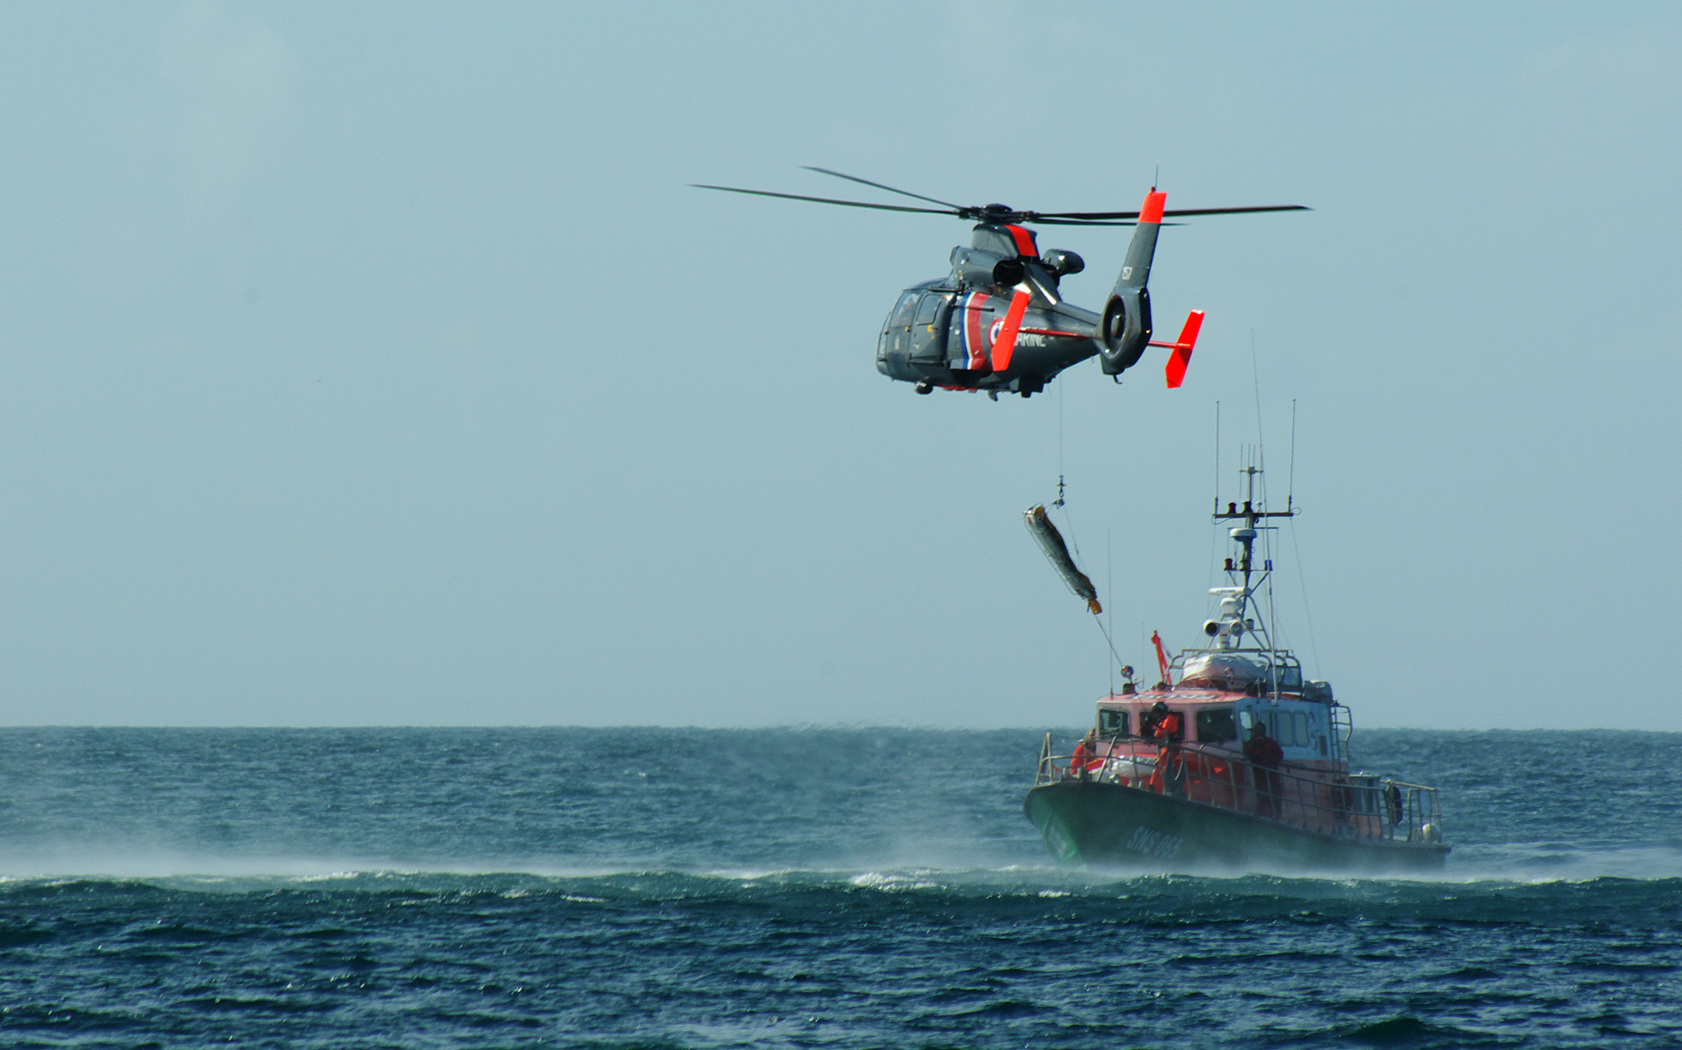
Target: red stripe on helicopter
<point>973,339</point>
<point>1006,342</point>
<point>1052,331</point>
<point>1025,240</point>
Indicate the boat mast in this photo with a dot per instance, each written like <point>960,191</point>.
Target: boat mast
<point>1244,533</point>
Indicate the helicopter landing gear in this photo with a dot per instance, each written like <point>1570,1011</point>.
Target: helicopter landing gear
<point>994,394</point>
<point>925,387</point>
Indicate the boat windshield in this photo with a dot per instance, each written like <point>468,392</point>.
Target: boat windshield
<point>1216,725</point>
<point>1148,721</point>
<point>1112,723</point>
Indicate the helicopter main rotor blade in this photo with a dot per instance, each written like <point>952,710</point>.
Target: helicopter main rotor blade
<point>1041,221</point>
<point>827,200</point>
<point>880,186</point>
<point>1096,215</point>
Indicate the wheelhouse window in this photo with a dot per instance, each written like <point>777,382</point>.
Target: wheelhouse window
<point>1148,723</point>
<point>1112,723</point>
<point>1216,725</point>
<point>1290,728</point>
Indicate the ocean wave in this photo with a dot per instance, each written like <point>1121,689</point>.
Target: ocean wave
<point>1502,895</point>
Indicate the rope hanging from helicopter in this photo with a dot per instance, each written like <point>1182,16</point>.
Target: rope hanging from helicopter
<point>1057,551</point>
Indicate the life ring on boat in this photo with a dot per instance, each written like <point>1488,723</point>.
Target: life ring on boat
<point>1393,803</point>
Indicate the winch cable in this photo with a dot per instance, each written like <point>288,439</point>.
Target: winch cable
<point>1097,618</point>
<point>1105,631</point>
<point>1290,504</point>
<point>1109,592</point>
<point>1114,659</point>
<point>1274,635</point>
<point>1214,526</point>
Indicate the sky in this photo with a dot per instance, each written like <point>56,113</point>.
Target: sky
<point>377,365</point>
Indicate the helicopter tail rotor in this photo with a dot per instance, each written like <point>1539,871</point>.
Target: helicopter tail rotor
<point>1126,326</point>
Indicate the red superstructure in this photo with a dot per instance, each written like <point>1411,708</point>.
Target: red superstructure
<point>1231,759</point>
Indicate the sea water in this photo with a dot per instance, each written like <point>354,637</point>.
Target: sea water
<point>794,888</point>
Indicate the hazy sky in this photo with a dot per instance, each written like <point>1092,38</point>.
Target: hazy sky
<point>374,364</point>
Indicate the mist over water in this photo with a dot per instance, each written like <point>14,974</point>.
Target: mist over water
<point>709,888</point>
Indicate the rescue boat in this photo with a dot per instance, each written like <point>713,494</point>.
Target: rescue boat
<point>1164,781</point>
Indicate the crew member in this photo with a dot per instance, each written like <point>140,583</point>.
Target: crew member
<point>1086,750</point>
<point>1264,755</point>
<point>1170,776</point>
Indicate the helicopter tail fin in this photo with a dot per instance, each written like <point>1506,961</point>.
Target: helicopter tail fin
<point>1126,325</point>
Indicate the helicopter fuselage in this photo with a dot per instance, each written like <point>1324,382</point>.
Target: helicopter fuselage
<point>940,335</point>
<point>997,321</point>
<point>953,332</point>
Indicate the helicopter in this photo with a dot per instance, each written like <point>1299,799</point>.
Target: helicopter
<point>997,322</point>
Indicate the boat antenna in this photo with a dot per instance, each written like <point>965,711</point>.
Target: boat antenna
<point>1217,457</point>
<point>1261,442</point>
<point>1291,484</point>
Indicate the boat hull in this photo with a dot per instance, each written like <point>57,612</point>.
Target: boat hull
<point>1109,825</point>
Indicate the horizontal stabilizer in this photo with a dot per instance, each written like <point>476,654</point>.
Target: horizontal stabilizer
<point>1182,347</point>
<point>1057,552</point>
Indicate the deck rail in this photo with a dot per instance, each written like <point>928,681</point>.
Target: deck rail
<point>1350,805</point>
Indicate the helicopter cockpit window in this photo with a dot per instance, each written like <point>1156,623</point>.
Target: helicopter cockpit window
<point>902,314</point>
<point>1112,723</point>
<point>1215,725</point>
<point>930,307</point>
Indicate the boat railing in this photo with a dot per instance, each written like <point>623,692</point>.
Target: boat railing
<point>1046,771</point>
<point>1348,805</point>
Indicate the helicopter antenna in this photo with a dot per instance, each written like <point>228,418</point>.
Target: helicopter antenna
<point>1156,178</point>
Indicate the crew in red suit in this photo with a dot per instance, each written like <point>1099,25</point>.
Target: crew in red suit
<point>1085,751</point>
<point>1170,775</point>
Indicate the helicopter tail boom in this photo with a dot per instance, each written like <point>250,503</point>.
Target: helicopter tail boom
<point>1126,325</point>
